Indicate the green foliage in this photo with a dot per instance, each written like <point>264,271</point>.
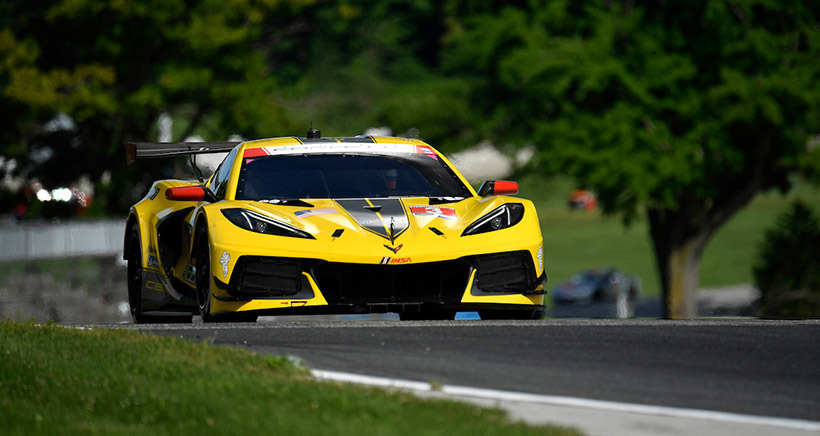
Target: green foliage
<point>676,104</point>
<point>376,63</point>
<point>56,380</point>
<point>687,91</point>
<point>788,268</point>
<point>256,68</point>
<point>114,66</point>
<point>684,110</point>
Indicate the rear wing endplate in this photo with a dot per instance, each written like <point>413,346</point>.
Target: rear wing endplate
<point>149,150</point>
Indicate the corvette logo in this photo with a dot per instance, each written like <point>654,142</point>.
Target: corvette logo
<point>394,249</point>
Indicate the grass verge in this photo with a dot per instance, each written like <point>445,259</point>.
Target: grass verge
<point>55,380</point>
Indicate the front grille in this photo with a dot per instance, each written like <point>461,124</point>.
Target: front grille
<point>434,282</point>
<point>504,272</point>
<point>258,276</point>
<point>351,283</point>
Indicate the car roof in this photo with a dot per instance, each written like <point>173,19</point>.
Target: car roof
<point>374,145</point>
<point>357,144</point>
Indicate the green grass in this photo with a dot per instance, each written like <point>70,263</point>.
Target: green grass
<point>578,240</point>
<point>61,381</point>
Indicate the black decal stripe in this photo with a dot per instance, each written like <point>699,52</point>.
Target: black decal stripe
<point>393,209</point>
<point>376,210</point>
<point>364,212</point>
<point>366,218</point>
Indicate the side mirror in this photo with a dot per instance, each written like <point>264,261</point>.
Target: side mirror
<point>189,193</point>
<point>498,187</point>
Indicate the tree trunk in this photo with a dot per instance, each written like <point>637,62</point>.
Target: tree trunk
<point>684,273</point>
<point>679,235</point>
<point>678,249</point>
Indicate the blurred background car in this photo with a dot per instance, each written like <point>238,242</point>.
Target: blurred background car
<point>582,199</point>
<point>598,284</point>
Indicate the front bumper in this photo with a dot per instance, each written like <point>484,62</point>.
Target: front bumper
<point>270,284</point>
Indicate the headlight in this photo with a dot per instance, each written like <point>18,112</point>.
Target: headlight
<point>256,222</point>
<point>505,216</point>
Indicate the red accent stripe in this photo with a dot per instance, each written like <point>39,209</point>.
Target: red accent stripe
<point>423,149</point>
<point>255,152</point>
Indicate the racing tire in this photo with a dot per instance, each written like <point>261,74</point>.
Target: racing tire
<point>203,285</point>
<point>203,275</point>
<point>510,314</point>
<point>134,283</point>
<point>134,279</point>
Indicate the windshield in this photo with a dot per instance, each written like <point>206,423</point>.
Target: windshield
<point>346,176</point>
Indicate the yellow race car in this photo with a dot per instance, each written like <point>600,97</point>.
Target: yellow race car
<point>329,225</point>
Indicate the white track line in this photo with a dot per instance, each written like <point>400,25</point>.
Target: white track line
<point>611,406</point>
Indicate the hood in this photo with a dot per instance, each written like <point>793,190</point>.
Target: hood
<point>384,226</point>
<point>389,218</point>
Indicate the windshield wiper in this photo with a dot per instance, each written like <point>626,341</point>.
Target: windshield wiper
<point>286,202</point>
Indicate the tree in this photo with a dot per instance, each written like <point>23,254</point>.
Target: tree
<point>114,66</point>
<point>372,63</point>
<point>679,110</point>
<point>256,68</point>
<point>788,268</point>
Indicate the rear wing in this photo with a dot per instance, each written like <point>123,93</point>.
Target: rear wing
<point>149,150</point>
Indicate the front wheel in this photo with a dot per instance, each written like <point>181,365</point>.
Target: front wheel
<point>203,286</point>
<point>134,281</point>
<point>203,276</point>
<point>134,272</point>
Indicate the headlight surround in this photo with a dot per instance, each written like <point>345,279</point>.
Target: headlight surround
<point>256,222</point>
<point>502,217</point>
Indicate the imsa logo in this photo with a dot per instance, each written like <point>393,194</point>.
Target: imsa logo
<point>395,260</point>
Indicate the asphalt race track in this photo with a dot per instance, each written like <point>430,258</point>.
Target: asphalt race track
<point>764,368</point>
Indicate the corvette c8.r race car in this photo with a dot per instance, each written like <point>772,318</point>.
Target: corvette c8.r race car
<point>329,225</point>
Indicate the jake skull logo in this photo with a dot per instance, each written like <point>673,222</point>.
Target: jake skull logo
<point>224,261</point>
